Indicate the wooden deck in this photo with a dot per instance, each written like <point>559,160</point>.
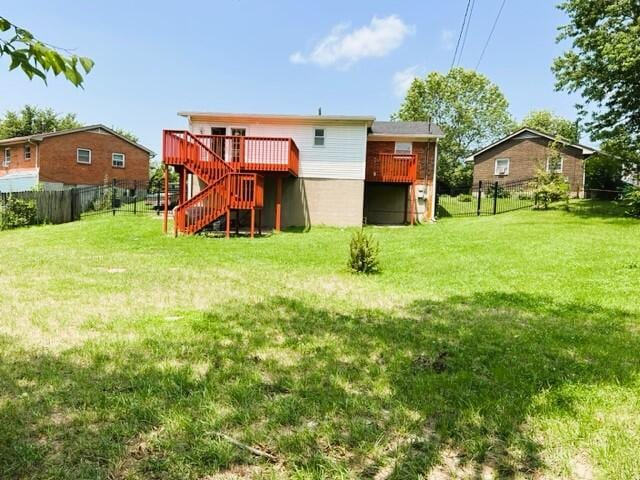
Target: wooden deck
<point>392,168</point>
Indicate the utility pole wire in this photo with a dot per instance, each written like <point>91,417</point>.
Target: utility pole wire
<point>486,44</point>
<point>464,21</point>
<point>466,31</point>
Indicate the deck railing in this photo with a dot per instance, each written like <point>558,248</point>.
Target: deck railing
<point>246,190</point>
<point>258,154</point>
<point>392,168</point>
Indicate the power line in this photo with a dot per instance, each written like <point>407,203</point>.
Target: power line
<point>464,22</point>
<point>466,31</point>
<point>486,44</point>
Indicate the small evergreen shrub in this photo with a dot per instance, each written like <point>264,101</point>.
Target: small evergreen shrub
<point>631,198</point>
<point>464,197</point>
<point>17,212</point>
<point>363,253</point>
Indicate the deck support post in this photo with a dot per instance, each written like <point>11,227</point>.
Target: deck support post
<point>412,192</point>
<point>253,222</point>
<point>260,222</point>
<point>228,226</point>
<point>406,204</point>
<point>165,218</point>
<point>278,202</point>
<point>183,185</point>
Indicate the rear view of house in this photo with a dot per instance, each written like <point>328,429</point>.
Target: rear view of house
<point>520,155</point>
<point>68,158</point>
<point>295,170</point>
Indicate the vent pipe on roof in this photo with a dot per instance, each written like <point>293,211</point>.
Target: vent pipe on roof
<point>319,111</point>
<point>429,126</point>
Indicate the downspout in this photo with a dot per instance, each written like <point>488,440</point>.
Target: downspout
<point>433,187</point>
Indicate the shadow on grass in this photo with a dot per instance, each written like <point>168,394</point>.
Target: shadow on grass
<point>328,393</point>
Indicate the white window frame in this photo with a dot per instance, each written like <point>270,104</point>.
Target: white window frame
<point>404,151</point>
<point>495,167</point>
<point>123,160</point>
<point>78,156</point>
<point>24,152</point>
<point>316,137</point>
<point>558,170</point>
<point>6,158</point>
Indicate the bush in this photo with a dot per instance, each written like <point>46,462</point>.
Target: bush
<point>18,212</point>
<point>501,192</point>
<point>525,196</point>
<point>464,197</point>
<point>363,253</point>
<point>549,187</point>
<point>631,198</point>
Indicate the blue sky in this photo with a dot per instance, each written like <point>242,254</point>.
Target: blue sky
<point>348,57</point>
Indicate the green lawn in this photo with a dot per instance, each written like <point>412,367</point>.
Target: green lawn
<point>504,346</point>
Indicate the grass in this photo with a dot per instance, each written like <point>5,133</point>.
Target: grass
<point>502,346</point>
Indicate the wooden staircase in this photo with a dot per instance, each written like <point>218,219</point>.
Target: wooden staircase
<point>226,188</point>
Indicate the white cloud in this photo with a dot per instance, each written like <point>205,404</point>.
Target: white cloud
<point>343,48</point>
<point>447,39</point>
<point>402,79</point>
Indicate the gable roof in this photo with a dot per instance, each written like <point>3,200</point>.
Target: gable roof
<point>38,137</point>
<point>410,129</point>
<point>586,150</point>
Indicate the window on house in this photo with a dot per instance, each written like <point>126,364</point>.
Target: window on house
<point>117,160</point>
<point>27,152</point>
<point>502,166</point>
<point>83,155</point>
<point>318,137</point>
<point>403,148</point>
<point>554,164</point>
<point>7,157</point>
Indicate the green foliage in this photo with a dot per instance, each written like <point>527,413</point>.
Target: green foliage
<point>631,199</point>
<point>32,120</point>
<point>363,253</point>
<point>17,212</point>
<point>547,122</point>
<point>497,191</point>
<point>603,172</point>
<point>128,135</point>
<point>156,177</point>
<point>603,64</point>
<point>470,109</point>
<point>548,188</point>
<point>464,197</point>
<point>38,59</point>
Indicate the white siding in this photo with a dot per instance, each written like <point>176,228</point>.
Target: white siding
<point>342,157</point>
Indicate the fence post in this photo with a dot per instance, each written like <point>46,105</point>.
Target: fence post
<point>479,196</point>
<point>158,202</point>
<point>495,198</point>
<point>135,197</point>
<point>113,196</point>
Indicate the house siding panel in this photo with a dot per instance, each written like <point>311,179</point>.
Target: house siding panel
<point>342,156</point>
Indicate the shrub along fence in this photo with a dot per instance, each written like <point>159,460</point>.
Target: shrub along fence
<point>62,206</point>
<point>484,198</point>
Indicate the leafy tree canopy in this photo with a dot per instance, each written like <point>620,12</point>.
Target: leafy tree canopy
<point>470,109</point>
<point>547,122</point>
<point>32,120</point>
<point>602,64</point>
<point>38,59</point>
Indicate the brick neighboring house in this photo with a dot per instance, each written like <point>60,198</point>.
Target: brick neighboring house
<point>519,155</point>
<point>81,156</point>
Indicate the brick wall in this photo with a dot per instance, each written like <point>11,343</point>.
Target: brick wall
<point>18,162</point>
<point>526,155</point>
<point>58,161</point>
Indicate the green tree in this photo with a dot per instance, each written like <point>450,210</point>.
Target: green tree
<point>156,177</point>
<point>38,59</point>
<point>128,135</point>
<point>547,122</point>
<point>470,109</point>
<point>32,120</point>
<point>602,65</point>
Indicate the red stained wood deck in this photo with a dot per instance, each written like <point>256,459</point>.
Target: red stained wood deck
<point>392,168</point>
